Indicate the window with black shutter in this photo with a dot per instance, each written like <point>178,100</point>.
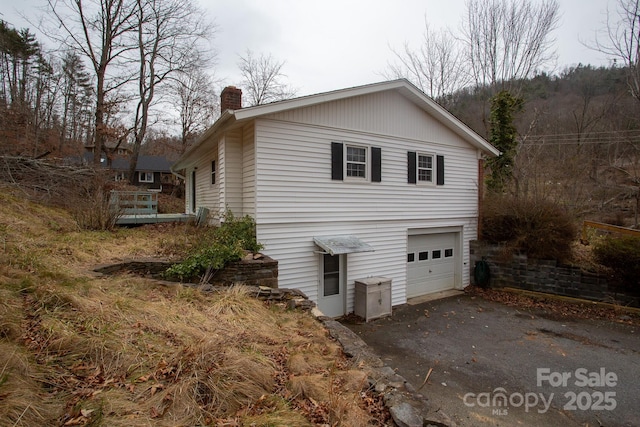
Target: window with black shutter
<point>355,162</point>
<point>424,168</point>
<point>337,165</point>
<point>376,164</point>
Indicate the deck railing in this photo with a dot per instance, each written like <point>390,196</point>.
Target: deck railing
<point>135,202</point>
<point>608,228</point>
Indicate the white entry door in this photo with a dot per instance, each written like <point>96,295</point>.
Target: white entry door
<point>332,290</point>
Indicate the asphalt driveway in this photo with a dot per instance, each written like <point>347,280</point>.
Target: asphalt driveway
<point>495,365</point>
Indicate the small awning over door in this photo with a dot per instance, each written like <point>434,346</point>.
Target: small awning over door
<point>337,245</point>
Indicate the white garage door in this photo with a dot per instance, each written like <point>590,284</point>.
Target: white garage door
<point>431,261</point>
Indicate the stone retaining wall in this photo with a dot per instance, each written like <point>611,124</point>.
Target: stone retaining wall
<point>262,271</point>
<point>251,272</point>
<point>518,271</point>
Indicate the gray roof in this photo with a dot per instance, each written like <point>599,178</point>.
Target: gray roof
<point>145,163</point>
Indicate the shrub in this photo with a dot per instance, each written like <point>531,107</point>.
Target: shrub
<point>225,244</point>
<point>622,256</point>
<point>92,209</point>
<point>542,229</point>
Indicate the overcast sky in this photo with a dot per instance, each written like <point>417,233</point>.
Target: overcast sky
<point>334,44</point>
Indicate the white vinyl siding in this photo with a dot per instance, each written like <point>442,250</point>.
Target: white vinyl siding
<point>231,186</point>
<point>206,194</point>
<point>248,171</point>
<point>298,200</point>
<point>383,113</point>
<point>289,188</point>
<point>299,267</point>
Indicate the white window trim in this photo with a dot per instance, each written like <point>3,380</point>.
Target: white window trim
<point>142,177</point>
<point>367,165</point>
<point>433,169</point>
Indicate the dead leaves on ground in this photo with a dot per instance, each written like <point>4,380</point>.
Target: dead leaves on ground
<point>554,306</point>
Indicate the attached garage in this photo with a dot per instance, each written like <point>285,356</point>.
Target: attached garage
<point>432,261</point>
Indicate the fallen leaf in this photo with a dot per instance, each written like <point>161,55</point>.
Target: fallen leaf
<point>86,412</point>
<point>155,388</point>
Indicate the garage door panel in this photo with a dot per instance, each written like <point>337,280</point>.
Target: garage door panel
<point>433,265</point>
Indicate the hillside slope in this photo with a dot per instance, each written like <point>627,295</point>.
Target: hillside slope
<point>76,349</point>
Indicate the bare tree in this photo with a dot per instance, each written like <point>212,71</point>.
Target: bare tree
<point>76,92</point>
<point>263,80</point>
<point>168,35</point>
<point>96,28</point>
<point>621,41</point>
<point>196,102</point>
<point>508,40</point>
<point>436,67</point>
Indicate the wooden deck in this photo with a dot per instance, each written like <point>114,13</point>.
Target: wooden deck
<point>153,218</point>
<point>141,207</point>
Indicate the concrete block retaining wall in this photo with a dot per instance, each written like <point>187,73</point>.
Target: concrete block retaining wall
<point>518,271</point>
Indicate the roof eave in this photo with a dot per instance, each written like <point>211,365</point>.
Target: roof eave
<point>451,121</point>
<point>407,88</point>
<point>186,159</point>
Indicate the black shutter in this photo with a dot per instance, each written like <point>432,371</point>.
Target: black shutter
<point>337,165</point>
<point>411,167</point>
<point>440,170</point>
<point>376,164</point>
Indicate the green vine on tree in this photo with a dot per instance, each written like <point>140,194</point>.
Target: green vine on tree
<point>503,136</point>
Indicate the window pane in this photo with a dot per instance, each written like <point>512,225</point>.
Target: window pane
<point>411,257</point>
<point>356,154</point>
<point>425,162</point>
<point>331,284</point>
<point>448,253</point>
<point>331,279</point>
<point>425,168</point>
<point>423,256</point>
<point>355,169</point>
<point>356,162</point>
<point>425,175</point>
<point>436,254</point>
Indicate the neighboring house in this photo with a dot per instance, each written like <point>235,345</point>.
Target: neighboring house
<point>152,172</point>
<point>370,181</point>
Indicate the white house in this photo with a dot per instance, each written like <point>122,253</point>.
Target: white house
<point>370,181</point>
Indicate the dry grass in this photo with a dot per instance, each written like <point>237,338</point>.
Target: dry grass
<point>126,351</point>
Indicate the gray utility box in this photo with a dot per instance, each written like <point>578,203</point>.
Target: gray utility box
<point>373,298</point>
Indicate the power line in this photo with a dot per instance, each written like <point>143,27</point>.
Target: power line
<point>603,137</point>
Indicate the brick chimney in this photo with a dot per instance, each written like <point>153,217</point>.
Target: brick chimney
<point>230,99</point>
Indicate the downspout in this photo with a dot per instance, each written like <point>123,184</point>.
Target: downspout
<point>178,175</point>
<point>480,194</point>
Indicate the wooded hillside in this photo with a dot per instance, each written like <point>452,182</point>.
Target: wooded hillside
<point>578,140</point>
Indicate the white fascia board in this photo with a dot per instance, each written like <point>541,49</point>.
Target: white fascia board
<point>305,101</point>
<point>448,119</point>
<point>190,156</point>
